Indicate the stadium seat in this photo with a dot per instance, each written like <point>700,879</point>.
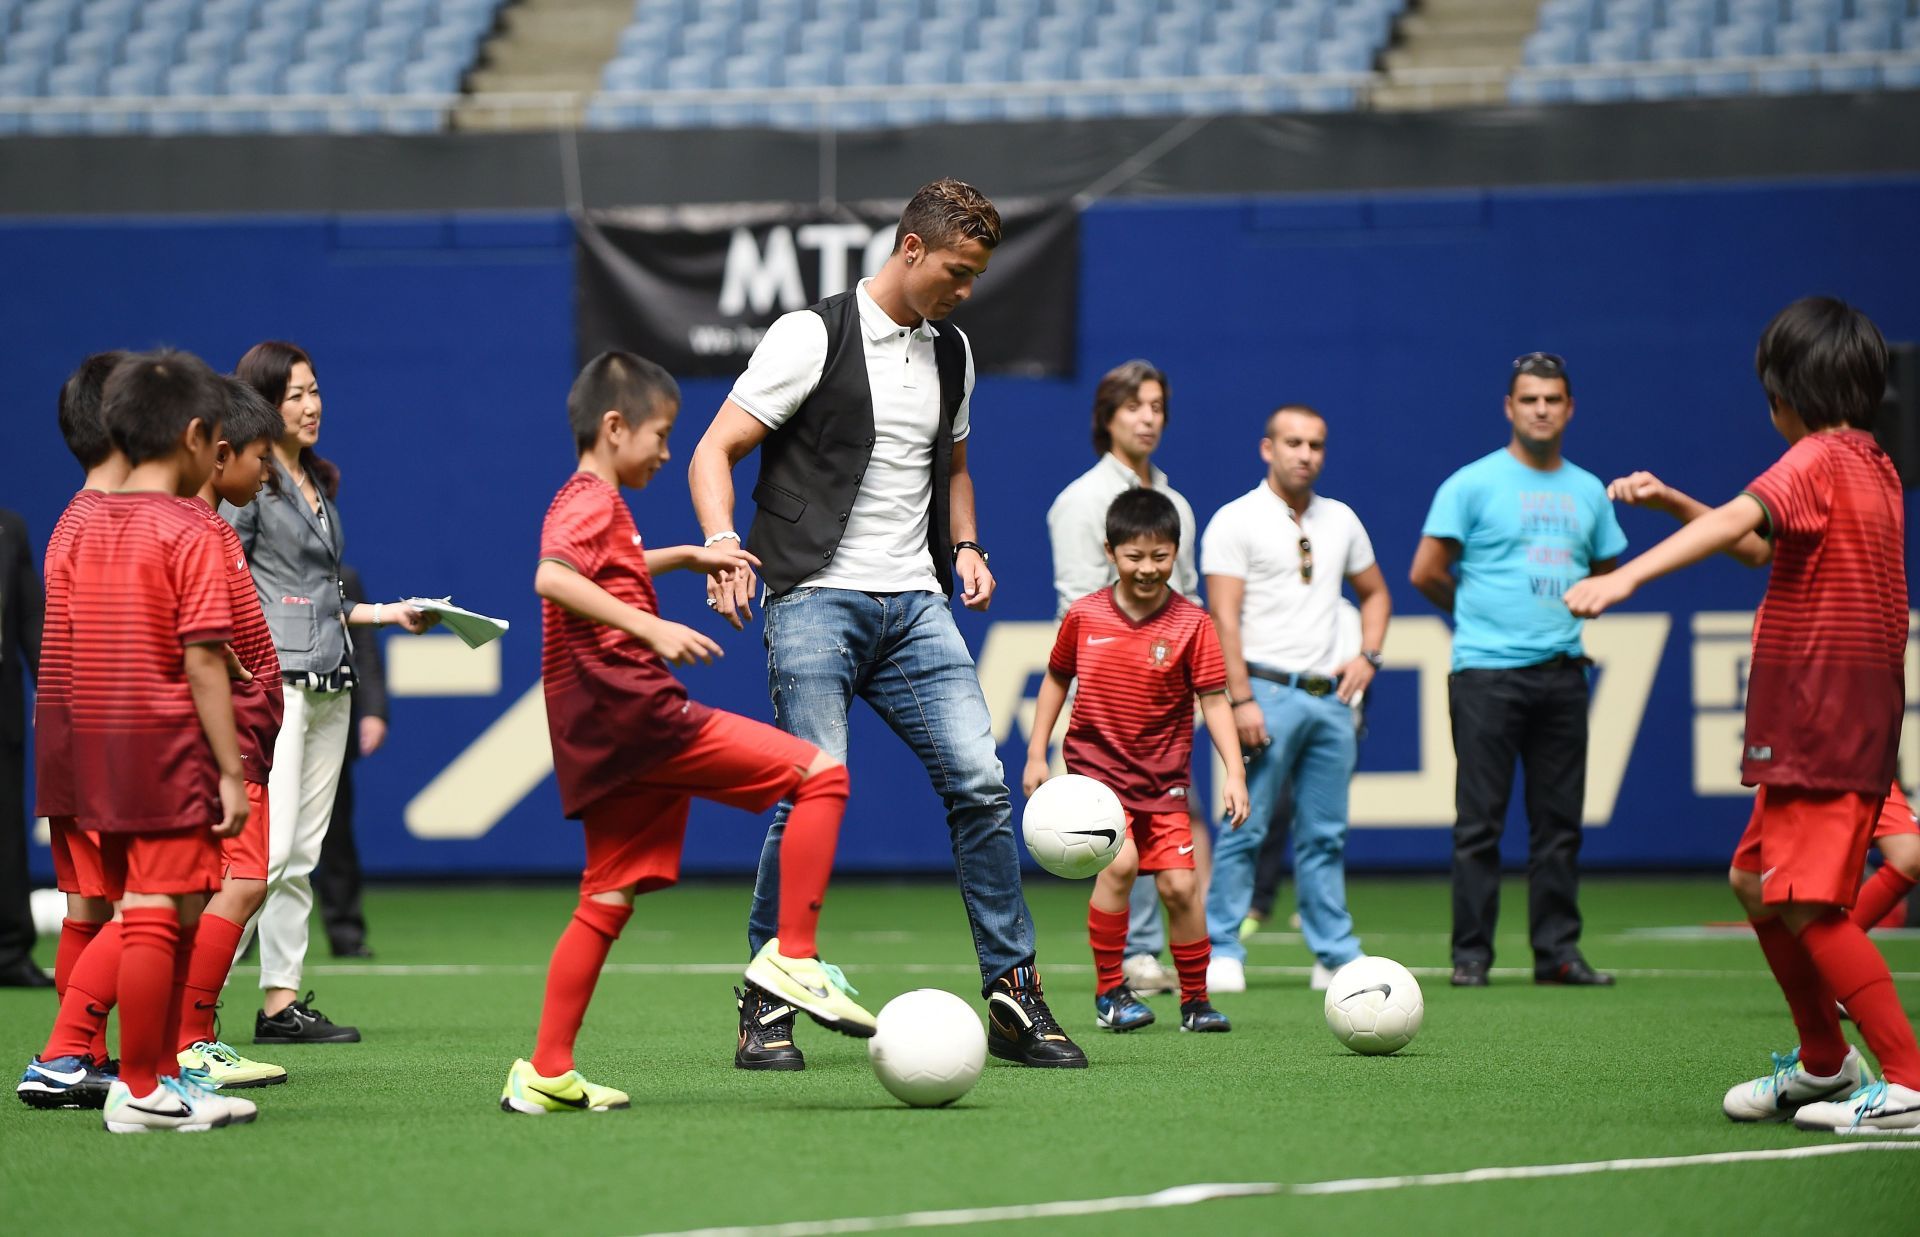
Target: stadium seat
<point>1676,43</point>
<point>198,80</point>
<point>38,45</point>
<point>811,71</point>
<point>1599,89</point>
<point>1696,15</point>
<point>1901,74</point>
<point>1637,16</point>
<point>95,47</point>
<point>1825,11</point>
<point>630,74</point>
<point>928,68</point>
<point>370,77</point>
<point>313,79</point>
<point>692,72</point>
<point>1527,90</point>
<point>1616,46</point>
<point>767,38</point>
<point>21,81</point>
<point>1803,38</point>
<point>823,38</point>
<point>1847,77</point>
<point>1783,81</point>
<point>1866,34</point>
<point>1548,48</point>
<point>1739,42</point>
<point>986,67</point>
<point>1154,63</point>
<point>133,81</point>
<point>1044,65</point>
<point>1657,86</point>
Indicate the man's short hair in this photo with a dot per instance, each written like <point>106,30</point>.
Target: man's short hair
<point>1305,410</point>
<point>152,397</point>
<point>1121,384</point>
<point>635,387</point>
<point>947,212</point>
<point>1546,365</point>
<point>1141,512</point>
<point>80,422</point>
<point>248,418</point>
<point>1825,360</point>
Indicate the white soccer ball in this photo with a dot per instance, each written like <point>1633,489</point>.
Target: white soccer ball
<point>1374,1006</point>
<point>49,908</point>
<point>1074,826</point>
<point>929,1048</point>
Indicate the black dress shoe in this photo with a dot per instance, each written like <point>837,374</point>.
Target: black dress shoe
<point>1469,974</point>
<point>352,949</point>
<point>1574,974</point>
<point>24,974</point>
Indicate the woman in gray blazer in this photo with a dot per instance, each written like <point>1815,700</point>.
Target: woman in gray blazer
<point>293,542</point>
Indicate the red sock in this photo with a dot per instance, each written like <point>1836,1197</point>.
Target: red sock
<point>1190,958</point>
<point>75,936</point>
<point>1878,898</point>
<point>214,943</point>
<point>1857,975</point>
<point>806,858</point>
<point>1107,931</point>
<point>150,937</point>
<point>571,976</point>
<point>177,1000</point>
<point>1822,1046</point>
<point>92,989</point>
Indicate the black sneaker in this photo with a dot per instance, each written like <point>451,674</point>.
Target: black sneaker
<point>301,1023</point>
<point>1200,1015</point>
<point>766,1032</point>
<point>1469,974</point>
<point>1021,1028</point>
<point>1574,974</point>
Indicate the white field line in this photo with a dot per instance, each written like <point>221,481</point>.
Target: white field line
<point>1188,1195</point>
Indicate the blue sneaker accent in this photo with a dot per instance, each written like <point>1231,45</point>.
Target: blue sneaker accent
<point>63,1082</point>
<point>1120,1010</point>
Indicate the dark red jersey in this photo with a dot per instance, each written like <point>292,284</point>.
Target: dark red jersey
<point>259,706</point>
<point>53,686</point>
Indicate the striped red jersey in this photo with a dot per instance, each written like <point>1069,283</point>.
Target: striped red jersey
<point>52,685</point>
<point>614,709</point>
<point>1826,687</point>
<point>259,706</point>
<point>1132,725</point>
<point>147,581</point>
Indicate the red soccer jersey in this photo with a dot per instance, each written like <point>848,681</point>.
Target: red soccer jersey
<point>53,685</point>
<point>1132,726</point>
<point>147,580</point>
<point>613,708</point>
<point>1826,688</point>
<point>259,706</point>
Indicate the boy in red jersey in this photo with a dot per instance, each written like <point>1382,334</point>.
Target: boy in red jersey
<point>1825,700</point>
<point>155,758</point>
<point>1141,653</point>
<point>632,751</point>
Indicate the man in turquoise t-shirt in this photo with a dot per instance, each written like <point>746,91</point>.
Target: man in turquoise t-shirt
<point>1520,526</point>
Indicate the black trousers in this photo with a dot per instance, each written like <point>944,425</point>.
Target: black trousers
<point>1536,715</point>
<point>16,916</point>
<point>336,878</point>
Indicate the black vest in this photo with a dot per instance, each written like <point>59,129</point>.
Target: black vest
<point>812,466</point>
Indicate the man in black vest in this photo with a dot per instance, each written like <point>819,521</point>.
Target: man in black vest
<point>859,408</point>
<point>22,610</point>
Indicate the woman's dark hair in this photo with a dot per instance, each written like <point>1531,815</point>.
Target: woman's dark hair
<point>1141,512</point>
<point>267,368</point>
<point>1121,384</point>
<point>1825,360</point>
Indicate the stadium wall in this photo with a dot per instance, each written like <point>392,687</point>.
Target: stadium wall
<point>445,345</point>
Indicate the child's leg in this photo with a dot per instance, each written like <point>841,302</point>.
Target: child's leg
<point>1107,915</point>
<point>214,944</point>
<point>1888,888</point>
<point>93,989</point>
<point>76,867</point>
<point>806,853</point>
<point>151,936</point>
<point>1822,1046</point>
<point>575,972</point>
<point>1187,929</point>
<point>1855,973</point>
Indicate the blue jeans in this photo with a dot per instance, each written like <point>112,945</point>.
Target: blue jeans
<point>1314,744</point>
<point>902,654</point>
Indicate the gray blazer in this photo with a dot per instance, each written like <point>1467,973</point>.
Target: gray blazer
<point>294,555</point>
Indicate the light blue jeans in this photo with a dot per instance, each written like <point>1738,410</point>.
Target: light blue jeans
<point>1314,743</point>
<point>902,654</point>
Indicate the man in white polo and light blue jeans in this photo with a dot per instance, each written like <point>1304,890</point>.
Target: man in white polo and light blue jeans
<point>1274,560</point>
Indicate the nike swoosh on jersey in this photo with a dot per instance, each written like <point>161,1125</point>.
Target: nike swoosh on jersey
<point>1101,639</point>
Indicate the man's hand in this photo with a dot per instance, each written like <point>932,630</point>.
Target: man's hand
<point>1354,677</point>
<point>1596,594</point>
<point>976,581</point>
<point>373,732</point>
<point>1251,725</point>
<point>730,595</point>
<point>722,558</point>
<point>1641,489</point>
<point>680,644</point>
<point>1036,772</point>
<point>1235,795</point>
<point>233,806</point>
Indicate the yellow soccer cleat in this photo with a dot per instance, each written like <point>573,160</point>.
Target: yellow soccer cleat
<point>812,985</point>
<point>536,1095</point>
<point>224,1068</point>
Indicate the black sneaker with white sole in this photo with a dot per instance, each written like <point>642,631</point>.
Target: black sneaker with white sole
<point>766,1032</point>
<point>301,1023</point>
<point>1021,1028</point>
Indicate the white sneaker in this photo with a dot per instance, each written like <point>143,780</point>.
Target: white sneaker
<point>239,1111</point>
<point>1321,979</point>
<point>1226,975</point>
<point>172,1106</point>
<point>1876,1108</point>
<point>1779,1095</point>
<point>1146,975</point>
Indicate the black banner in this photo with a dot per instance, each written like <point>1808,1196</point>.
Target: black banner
<point>695,288</point>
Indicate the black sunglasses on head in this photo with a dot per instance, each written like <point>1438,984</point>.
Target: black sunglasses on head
<point>1540,364</point>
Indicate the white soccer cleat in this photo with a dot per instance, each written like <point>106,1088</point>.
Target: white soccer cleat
<point>1226,975</point>
<point>1145,974</point>
<point>238,1111</point>
<point>172,1106</point>
<point>1779,1095</point>
<point>1876,1108</point>
<point>1321,979</point>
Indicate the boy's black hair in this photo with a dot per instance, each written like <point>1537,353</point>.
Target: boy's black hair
<point>1140,512</point>
<point>1825,360</point>
<point>152,397</point>
<point>618,381</point>
<point>248,417</point>
<point>80,422</point>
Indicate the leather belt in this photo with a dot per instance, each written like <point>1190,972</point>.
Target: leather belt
<point>1312,684</point>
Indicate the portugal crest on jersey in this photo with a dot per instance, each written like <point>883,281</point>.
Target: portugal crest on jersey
<point>1158,653</point>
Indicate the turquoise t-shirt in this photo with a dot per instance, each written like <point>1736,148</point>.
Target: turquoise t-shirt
<point>1525,537</point>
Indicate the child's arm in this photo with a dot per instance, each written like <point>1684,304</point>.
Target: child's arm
<point>206,666</point>
<point>1218,715</point>
<point>720,559</point>
<point>1053,697</point>
<point>1643,489</point>
<point>571,591</point>
<point>1715,532</point>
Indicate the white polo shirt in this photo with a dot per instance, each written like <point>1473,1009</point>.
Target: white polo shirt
<point>884,548</point>
<point>1077,525</point>
<point>1287,623</point>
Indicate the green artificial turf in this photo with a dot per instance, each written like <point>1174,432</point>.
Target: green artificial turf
<point>402,1133</point>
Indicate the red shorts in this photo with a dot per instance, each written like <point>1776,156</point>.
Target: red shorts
<point>1163,839</point>
<point>76,859</point>
<point>1896,815</point>
<point>634,835</point>
<point>175,861</point>
<point>244,856</point>
<point>1807,845</point>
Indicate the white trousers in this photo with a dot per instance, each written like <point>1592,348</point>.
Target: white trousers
<point>306,772</point>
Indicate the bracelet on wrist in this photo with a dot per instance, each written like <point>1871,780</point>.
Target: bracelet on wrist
<point>379,618</point>
<point>1232,703</point>
<point>724,535</point>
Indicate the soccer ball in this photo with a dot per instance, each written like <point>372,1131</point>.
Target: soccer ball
<point>1374,1006</point>
<point>929,1048</point>
<point>1074,826</point>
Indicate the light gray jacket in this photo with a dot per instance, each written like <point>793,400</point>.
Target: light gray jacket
<point>294,555</point>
